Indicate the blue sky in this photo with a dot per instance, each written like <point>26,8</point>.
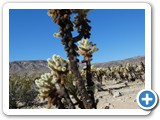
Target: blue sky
<point>119,34</point>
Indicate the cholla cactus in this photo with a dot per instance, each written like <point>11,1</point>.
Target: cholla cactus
<point>57,35</point>
<point>58,64</point>
<point>59,67</point>
<point>93,68</point>
<point>86,49</point>
<point>51,85</point>
<point>45,84</point>
<point>139,68</point>
<point>129,72</point>
<point>83,74</point>
<point>81,20</point>
<point>62,18</point>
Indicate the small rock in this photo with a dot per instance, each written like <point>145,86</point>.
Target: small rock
<point>100,96</point>
<point>126,84</point>
<point>116,94</point>
<point>20,104</point>
<point>134,100</point>
<point>111,106</point>
<point>143,76</point>
<point>107,106</point>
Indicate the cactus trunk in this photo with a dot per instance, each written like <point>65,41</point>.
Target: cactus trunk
<point>80,83</point>
<point>90,83</point>
<point>66,96</point>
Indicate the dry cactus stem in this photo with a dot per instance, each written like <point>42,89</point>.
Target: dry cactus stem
<point>86,49</point>
<point>62,18</point>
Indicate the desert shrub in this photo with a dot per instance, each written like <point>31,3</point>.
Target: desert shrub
<point>21,89</point>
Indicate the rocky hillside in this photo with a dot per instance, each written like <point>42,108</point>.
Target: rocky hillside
<point>29,67</point>
<point>40,66</point>
<point>123,62</point>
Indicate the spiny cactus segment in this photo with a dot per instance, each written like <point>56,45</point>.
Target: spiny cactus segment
<point>52,85</point>
<point>58,64</point>
<point>86,49</point>
<point>45,84</point>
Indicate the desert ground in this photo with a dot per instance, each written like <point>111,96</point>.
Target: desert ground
<point>112,95</point>
<point>122,95</point>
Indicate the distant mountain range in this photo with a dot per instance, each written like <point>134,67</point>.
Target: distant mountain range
<point>40,66</point>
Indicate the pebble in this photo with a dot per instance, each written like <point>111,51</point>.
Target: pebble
<point>107,106</point>
<point>143,76</point>
<point>20,104</point>
<point>100,96</point>
<point>134,100</point>
<point>116,94</point>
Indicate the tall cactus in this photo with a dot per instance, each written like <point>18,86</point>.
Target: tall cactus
<point>62,18</point>
<point>86,49</point>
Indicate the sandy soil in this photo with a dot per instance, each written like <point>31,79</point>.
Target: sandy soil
<point>122,95</point>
